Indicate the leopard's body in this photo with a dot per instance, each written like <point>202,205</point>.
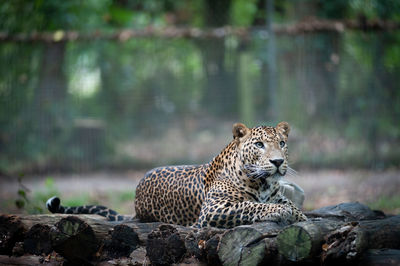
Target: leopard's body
<point>239,186</point>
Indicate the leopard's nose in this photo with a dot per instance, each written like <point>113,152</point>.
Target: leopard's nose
<point>277,162</point>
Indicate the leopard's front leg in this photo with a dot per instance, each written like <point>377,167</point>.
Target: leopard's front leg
<point>296,212</point>
<point>226,214</point>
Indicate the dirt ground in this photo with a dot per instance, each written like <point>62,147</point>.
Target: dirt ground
<point>322,187</point>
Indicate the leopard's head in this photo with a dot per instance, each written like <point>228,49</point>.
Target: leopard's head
<point>262,150</point>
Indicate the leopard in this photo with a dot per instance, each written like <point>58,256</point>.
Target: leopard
<point>239,186</point>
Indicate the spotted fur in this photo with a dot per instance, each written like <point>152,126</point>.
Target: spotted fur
<point>239,186</point>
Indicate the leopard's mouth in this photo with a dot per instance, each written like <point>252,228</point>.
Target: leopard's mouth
<point>263,173</point>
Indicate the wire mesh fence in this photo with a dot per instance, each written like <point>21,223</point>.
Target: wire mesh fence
<point>73,105</point>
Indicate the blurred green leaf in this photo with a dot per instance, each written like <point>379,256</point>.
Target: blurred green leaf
<point>49,183</point>
<point>20,203</point>
<point>22,193</point>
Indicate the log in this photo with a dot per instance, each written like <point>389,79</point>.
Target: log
<point>203,244</point>
<point>302,241</point>
<point>11,231</point>
<point>170,243</point>
<point>124,240</point>
<point>165,246</point>
<point>75,240</point>
<point>37,240</point>
<point>90,239</point>
<point>30,260</point>
<point>138,257</point>
<point>351,240</point>
<point>249,244</point>
<point>176,244</point>
<point>100,225</point>
<point>349,211</point>
<point>79,240</point>
<point>381,257</point>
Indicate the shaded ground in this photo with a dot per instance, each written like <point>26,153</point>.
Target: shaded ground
<point>379,190</point>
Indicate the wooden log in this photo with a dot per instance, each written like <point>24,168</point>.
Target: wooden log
<point>11,231</point>
<point>138,257</point>
<point>37,240</point>
<point>100,225</point>
<point>166,244</point>
<point>75,240</point>
<point>18,249</point>
<point>249,244</point>
<point>124,240</point>
<point>351,240</point>
<point>173,244</point>
<point>203,244</point>
<point>31,260</point>
<point>159,243</point>
<point>349,211</point>
<point>302,241</point>
<point>380,257</point>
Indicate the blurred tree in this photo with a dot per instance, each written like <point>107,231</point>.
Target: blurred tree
<point>142,85</point>
<point>44,116</point>
<point>220,81</point>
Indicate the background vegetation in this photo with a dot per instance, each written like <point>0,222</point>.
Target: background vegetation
<point>73,106</point>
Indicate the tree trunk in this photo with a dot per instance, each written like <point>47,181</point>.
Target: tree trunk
<point>249,244</point>
<point>351,240</point>
<point>50,95</point>
<point>101,226</point>
<point>245,92</point>
<point>11,231</point>
<point>220,82</point>
<point>90,239</point>
<point>304,240</point>
<point>381,257</point>
<point>347,212</point>
<point>30,260</point>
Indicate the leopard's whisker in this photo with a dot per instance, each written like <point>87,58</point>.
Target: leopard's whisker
<point>290,169</point>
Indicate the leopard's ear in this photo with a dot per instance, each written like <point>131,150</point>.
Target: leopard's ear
<point>240,131</point>
<point>283,128</point>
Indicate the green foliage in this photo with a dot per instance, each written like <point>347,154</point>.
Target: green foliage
<point>373,9</point>
<point>389,204</point>
<point>79,200</point>
<point>126,196</point>
<point>41,15</point>
<point>337,9</point>
<point>243,12</point>
<point>33,203</point>
<point>340,85</point>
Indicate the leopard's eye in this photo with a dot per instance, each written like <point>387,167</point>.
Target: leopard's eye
<point>259,144</point>
<point>282,143</point>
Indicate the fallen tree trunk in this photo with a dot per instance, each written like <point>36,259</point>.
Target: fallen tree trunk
<point>91,239</point>
<point>101,226</point>
<point>381,257</point>
<point>304,240</point>
<point>12,230</point>
<point>79,240</point>
<point>350,241</point>
<point>346,212</point>
<point>166,245</point>
<point>249,244</point>
<point>29,260</point>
